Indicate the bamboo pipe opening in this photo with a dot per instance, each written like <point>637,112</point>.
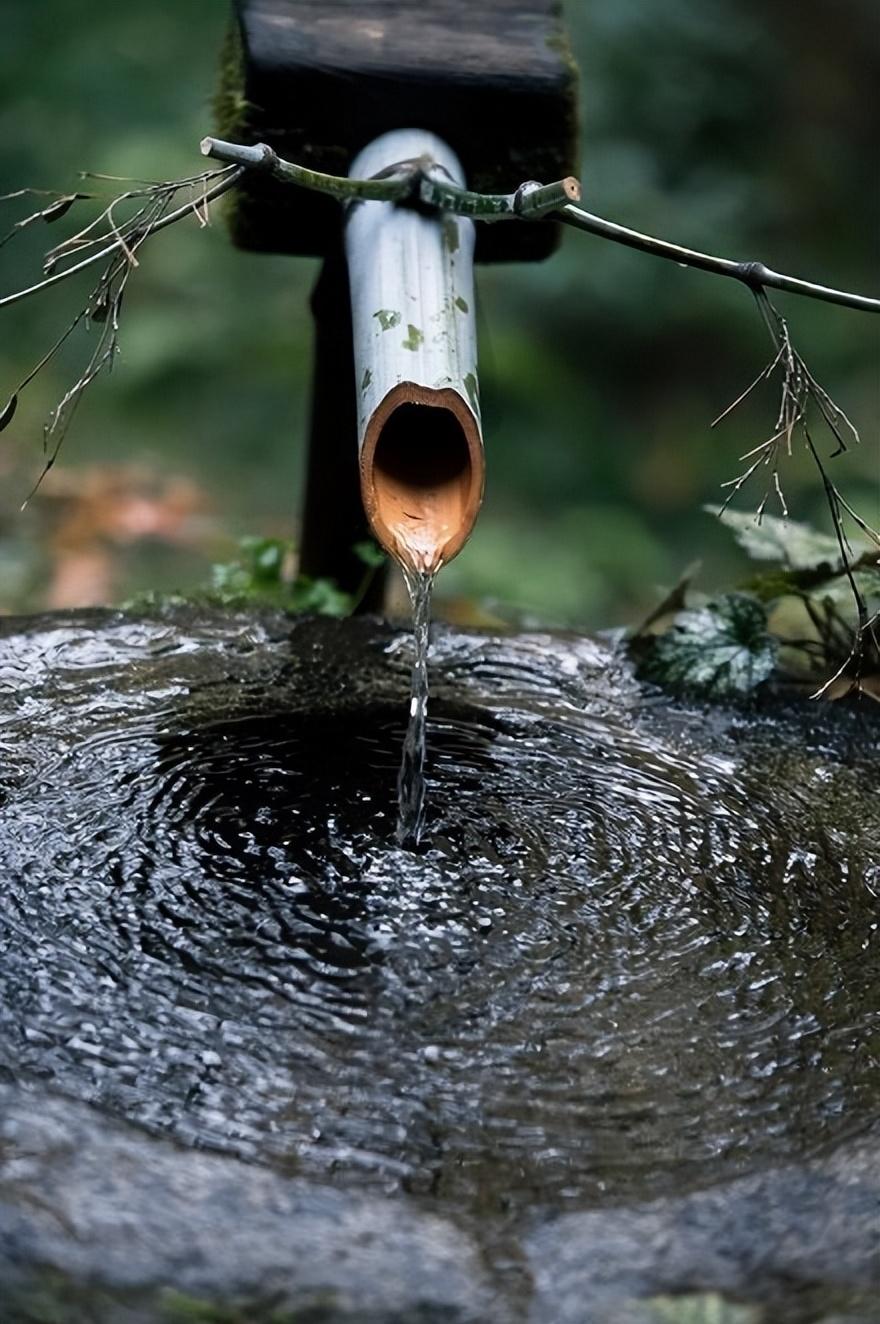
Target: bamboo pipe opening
<point>422,474</point>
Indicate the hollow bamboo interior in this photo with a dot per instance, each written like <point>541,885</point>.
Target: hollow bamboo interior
<point>422,474</point>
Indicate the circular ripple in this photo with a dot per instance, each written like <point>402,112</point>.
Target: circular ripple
<point>638,948</point>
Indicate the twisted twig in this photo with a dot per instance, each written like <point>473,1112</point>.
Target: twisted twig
<point>529,202</point>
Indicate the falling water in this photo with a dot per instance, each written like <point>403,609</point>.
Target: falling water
<point>411,778</point>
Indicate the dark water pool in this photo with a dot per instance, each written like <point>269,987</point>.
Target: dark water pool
<point>636,952</point>
<point>632,967</point>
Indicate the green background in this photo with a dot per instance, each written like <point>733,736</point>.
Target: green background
<point>741,128</point>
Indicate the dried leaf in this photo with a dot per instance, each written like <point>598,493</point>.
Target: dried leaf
<point>62,206</point>
<point>101,309</point>
<point>9,411</point>
<point>673,602</point>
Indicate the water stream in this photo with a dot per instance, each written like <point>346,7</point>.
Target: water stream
<point>411,787</point>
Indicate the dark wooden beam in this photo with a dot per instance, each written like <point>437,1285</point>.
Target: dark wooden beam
<point>333,516</point>
<point>319,79</point>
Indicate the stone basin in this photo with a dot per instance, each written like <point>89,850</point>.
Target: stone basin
<point>606,1047</point>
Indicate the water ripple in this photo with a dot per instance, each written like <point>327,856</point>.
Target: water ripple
<point>638,947</point>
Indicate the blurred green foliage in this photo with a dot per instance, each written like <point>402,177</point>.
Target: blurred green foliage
<point>738,127</point>
<point>265,574</point>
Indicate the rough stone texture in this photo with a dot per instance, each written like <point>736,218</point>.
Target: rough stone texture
<point>777,1238</point>
<point>101,1223</point>
<point>89,1202</point>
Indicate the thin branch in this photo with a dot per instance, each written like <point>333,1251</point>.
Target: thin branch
<point>799,392</point>
<point>420,178</point>
<point>104,304</point>
<point>530,201</point>
<point>31,193</point>
<point>754,274</point>
<point>865,633</point>
<point>75,243</point>
<point>392,187</point>
<point>226,180</point>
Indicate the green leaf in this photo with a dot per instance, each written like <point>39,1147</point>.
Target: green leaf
<point>259,572</point>
<point>722,649</point>
<point>268,562</point>
<point>369,552</point>
<point>259,578</point>
<point>839,590</point>
<point>320,596</point>
<point>228,577</point>
<point>795,545</point>
<point>778,582</point>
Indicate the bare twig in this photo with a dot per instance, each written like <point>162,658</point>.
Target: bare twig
<point>530,201</point>
<point>153,212</point>
<point>225,180</point>
<point>865,634</point>
<point>52,212</point>
<point>754,274</point>
<point>104,306</point>
<point>420,179</point>
<point>800,392</point>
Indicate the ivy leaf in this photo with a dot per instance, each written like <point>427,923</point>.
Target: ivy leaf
<point>722,649</point>
<point>787,542</point>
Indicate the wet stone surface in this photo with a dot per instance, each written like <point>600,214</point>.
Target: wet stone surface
<point>610,1033</point>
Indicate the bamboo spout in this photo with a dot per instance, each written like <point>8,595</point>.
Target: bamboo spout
<point>422,474</point>
<point>412,293</point>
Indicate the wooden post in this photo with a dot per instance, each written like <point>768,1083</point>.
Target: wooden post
<point>318,81</point>
<point>333,516</point>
